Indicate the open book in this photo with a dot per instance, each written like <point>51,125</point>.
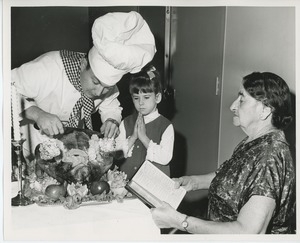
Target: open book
<point>152,186</point>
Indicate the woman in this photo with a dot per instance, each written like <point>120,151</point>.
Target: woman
<point>253,191</point>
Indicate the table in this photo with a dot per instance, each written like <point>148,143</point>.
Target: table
<point>129,220</point>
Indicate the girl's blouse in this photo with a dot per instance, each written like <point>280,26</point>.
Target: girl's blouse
<point>160,153</point>
<point>262,167</point>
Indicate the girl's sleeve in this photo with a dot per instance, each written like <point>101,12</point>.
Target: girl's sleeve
<point>162,153</point>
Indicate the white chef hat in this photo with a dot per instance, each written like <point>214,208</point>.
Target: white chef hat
<point>123,42</point>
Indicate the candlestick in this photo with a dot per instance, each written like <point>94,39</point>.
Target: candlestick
<point>20,199</point>
<point>15,103</point>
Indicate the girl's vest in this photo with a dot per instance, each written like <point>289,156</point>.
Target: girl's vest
<point>154,131</point>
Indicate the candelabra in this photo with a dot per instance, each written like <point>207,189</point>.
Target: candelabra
<point>20,199</point>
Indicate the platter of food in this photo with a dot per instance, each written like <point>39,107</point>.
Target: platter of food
<point>75,169</point>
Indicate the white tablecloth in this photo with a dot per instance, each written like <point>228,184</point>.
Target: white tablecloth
<point>129,220</point>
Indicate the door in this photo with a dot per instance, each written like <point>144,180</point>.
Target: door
<point>197,35</point>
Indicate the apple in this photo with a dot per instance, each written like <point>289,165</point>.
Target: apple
<point>56,191</point>
<point>98,187</point>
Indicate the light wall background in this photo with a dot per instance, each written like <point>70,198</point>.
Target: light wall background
<point>256,39</point>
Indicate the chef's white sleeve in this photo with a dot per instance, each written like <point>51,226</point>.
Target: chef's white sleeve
<point>110,107</point>
<point>33,79</point>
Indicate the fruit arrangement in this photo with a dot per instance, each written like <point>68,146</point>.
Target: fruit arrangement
<point>73,169</point>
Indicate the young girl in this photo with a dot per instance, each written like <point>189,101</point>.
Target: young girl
<point>146,135</point>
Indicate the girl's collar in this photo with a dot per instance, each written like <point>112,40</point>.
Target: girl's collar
<point>152,116</point>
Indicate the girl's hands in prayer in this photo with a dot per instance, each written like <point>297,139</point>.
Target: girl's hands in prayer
<point>141,130</point>
<point>134,135</point>
<point>141,127</point>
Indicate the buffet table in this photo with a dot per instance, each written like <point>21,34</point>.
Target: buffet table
<point>128,220</point>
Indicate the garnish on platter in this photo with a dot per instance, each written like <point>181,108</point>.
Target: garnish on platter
<point>73,170</point>
<point>117,180</point>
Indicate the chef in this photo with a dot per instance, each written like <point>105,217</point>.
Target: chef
<point>63,88</point>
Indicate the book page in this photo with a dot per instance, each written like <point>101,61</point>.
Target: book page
<point>159,184</point>
<point>144,195</point>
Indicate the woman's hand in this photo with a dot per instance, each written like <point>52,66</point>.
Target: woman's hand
<point>187,182</point>
<point>165,216</point>
<point>253,218</point>
<point>191,183</point>
<point>110,128</point>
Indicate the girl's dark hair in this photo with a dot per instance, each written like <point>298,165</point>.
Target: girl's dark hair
<point>146,81</point>
<point>273,92</point>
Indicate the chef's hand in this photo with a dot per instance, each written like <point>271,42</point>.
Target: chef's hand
<point>49,124</point>
<point>110,128</point>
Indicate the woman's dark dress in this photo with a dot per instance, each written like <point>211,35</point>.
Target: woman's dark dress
<point>262,167</point>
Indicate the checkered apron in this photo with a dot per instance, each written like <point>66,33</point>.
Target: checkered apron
<point>72,65</point>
